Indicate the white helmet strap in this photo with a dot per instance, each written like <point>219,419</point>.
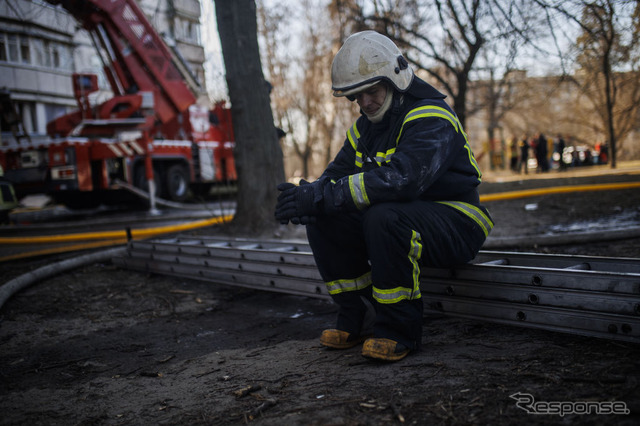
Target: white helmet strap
<point>386,104</point>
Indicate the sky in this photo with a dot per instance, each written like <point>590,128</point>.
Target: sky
<point>214,64</point>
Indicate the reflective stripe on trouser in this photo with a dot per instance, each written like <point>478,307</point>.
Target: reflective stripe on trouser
<point>475,213</point>
<point>396,238</point>
<point>397,294</point>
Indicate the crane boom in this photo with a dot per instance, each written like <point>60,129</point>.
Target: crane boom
<point>136,58</point>
<point>151,134</point>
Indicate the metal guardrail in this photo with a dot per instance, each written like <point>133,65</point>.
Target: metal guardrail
<point>591,296</point>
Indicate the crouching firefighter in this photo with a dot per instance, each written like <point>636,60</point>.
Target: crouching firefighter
<point>400,194</point>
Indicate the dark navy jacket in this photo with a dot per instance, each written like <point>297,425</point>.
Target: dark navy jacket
<point>418,151</point>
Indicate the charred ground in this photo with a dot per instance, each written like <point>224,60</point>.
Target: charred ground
<point>102,345</point>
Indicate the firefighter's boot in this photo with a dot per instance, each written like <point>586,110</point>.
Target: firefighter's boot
<point>384,349</point>
<point>338,339</point>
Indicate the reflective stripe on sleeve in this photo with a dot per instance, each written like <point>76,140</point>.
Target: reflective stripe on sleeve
<point>341,286</point>
<point>472,158</point>
<point>358,192</point>
<point>431,111</point>
<point>382,157</point>
<point>439,112</point>
<point>359,161</point>
<point>354,137</point>
<point>474,213</point>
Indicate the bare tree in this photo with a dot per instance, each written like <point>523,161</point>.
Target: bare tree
<point>258,154</point>
<point>275,36</point>
<point>494,95</point>
<point>603,49</point>
<point>445,38</point>
<point>300,71</point>
<point>607,60</point>
<point>327,116</point>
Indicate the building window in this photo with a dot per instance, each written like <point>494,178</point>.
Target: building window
<point>3,48</point>
<point>35,51</point>
<point>55,56</point>
<point>29,119</point>
<point>53,111</point>
<point>63,54</point>
<point>41,53</point>
<point>12,43</point>
<point>25,50</point>
<point>187,30</point>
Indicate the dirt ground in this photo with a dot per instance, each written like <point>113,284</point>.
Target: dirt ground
<point>105,346</point>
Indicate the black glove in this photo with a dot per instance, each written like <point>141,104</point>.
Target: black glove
<point>298,204</point>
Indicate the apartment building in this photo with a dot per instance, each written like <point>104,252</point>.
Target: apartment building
<point>41,46</point>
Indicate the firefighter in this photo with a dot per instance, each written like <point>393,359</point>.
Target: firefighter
<point>400,194</point>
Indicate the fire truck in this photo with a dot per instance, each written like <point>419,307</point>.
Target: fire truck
<point>152,134</point>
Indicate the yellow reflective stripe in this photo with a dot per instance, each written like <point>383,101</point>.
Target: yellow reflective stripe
<point>382,157</point>
<point>431,111</point>
<point>472,159</point>
<point>341,286</point>
<point>394,295</point>
<point>439,112</point>
<point>415,253</point>
<point>358,192</point>
<point>474,213</point>
<point>353,135</point>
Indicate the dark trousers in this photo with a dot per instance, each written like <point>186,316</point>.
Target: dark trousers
<point>384,246</point>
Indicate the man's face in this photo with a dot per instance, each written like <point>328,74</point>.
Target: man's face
<point>371,99</point>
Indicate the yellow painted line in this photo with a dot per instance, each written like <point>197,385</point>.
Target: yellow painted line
<point>64,249</point>
<point>149,232</point>
<point>557,190</point>
<point>135,233</point>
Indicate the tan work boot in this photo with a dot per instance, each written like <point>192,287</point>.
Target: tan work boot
<point>338,339</point>
<point>384,349</point>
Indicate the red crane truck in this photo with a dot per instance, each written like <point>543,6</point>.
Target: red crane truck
<point>151,134</point>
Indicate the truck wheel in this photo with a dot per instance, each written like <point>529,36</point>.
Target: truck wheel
<point>140,180</point>
<point>177,183</point>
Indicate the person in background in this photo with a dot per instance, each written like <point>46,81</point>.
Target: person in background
<point>524,155</point>
<point>560,149</point>
<point>541,151</point>
<point>513,152</point>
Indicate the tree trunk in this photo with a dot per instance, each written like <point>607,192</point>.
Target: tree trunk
<point>258,154</point>
<point>609,113</point>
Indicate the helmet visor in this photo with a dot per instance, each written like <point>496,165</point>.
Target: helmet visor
<point>351,91</point>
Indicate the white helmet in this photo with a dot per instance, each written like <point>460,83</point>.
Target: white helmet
<point>364,59</point>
